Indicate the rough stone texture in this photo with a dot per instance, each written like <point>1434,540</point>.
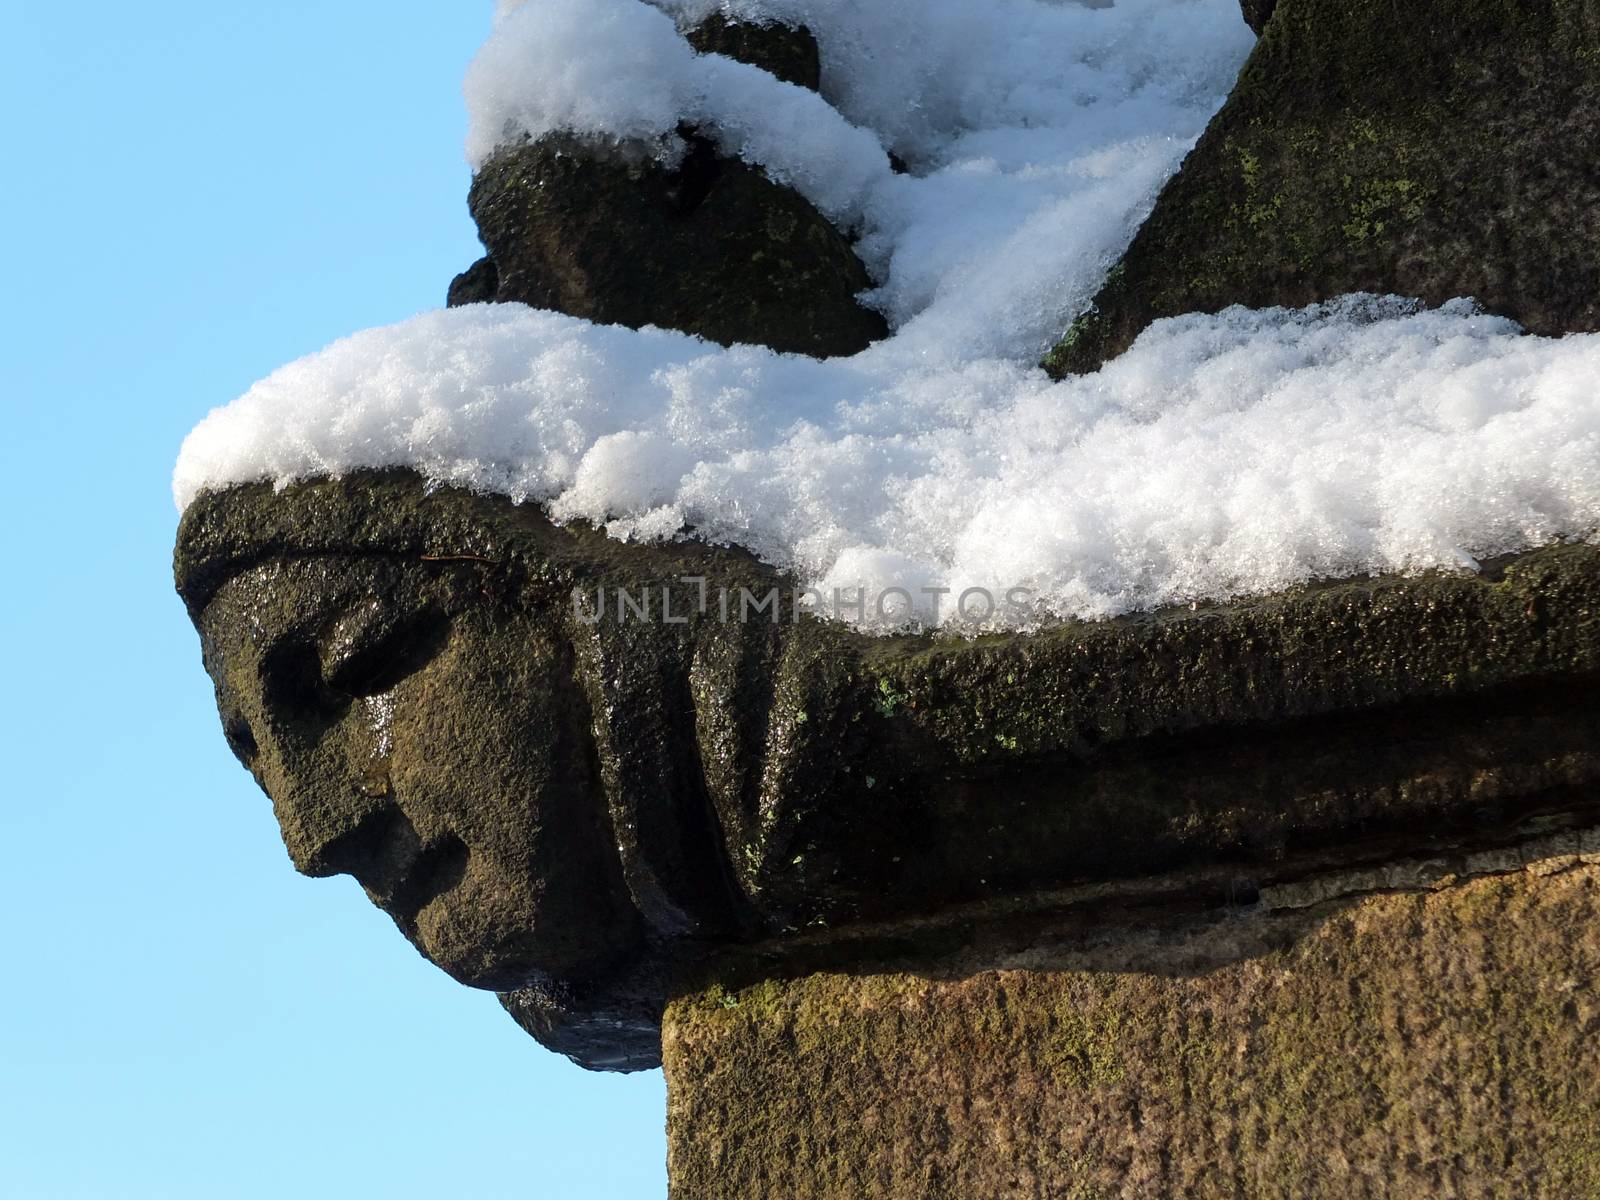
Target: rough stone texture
<point>1441,1043</point>
<point>1434,149</point>
<point>377,647</point>
<point>1257,13</point>
<point>789,53</point>
<point>478,284</point>
<point>712,247</point>
<point>1291,898</point>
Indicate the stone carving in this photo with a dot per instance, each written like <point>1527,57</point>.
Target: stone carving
<point>921,916</point>
<point>1430,150</point>
<point>584,813</point>
<point>709,246</point>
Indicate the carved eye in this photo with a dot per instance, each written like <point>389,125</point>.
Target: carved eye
<point>292,684</point>
<point>371,649</point>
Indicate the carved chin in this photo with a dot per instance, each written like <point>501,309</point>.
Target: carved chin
<point>496,930</point>
<point>492,950</point>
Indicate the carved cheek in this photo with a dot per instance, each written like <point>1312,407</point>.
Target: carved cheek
<point>308,679</point>
<point>491,748</point>
<point>474,748</point>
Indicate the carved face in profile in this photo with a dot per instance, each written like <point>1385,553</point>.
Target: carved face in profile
<point>431,740</point>
<point>585,815</point>
<point>522,790</point>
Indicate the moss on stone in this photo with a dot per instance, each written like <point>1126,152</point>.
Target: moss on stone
<point>762,779</point>
<point>711,247</point>
<point>1423,1044</point>
<point>1432,150</point>
<point>1083,686</point>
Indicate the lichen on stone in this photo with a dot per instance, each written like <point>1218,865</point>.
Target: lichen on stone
<point>1432,150</point>
<point>732,782</point>
<point>1427,1043</point>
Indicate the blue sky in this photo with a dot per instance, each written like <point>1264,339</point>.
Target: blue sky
<point>194,194</point>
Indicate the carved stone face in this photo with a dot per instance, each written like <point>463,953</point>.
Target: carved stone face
<point>429,739</point>
<point>400,668</point>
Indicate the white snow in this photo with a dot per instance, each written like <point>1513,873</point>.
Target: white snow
<point>1038,131</point>
<point>1222,456</point>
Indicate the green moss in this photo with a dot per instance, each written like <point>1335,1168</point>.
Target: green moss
<point>1379,202</point>
<point>1433,1044</point>
<point>1425,149</point>
<point>1082,1050</point>
<point>1253,211</point>
<point>889,699</point>
<point>864,779</point>
<point>1078,344</point>
<point>1576,1131</point>
<point>1045,692</point>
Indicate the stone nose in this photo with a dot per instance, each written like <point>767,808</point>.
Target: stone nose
<point>330,791</point>
<point>378,848</point>
<point>386,854</point>
<point>334,824</point>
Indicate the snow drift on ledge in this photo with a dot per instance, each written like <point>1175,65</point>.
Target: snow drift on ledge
<point>1222,456</point>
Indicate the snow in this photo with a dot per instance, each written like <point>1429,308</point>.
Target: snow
<point>1222,456</point>
<point>1037,131</point>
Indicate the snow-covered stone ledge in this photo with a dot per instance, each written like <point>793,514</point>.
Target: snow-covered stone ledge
<point>1115,716</point>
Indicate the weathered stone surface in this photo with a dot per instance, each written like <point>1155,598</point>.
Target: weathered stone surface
<point>790,54</point>
<point>478,284</point>
<point>1438,1042</point>
<point>711,247</point>
<point>1257,13</point>
<point>1434,150</point>
<point>405,672</point>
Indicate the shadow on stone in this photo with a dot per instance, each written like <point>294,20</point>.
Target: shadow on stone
<point>585,802</point>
